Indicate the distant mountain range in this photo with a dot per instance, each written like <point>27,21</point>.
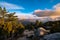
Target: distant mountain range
<point>42,19</point>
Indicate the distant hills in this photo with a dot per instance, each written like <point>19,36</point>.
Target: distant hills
<point>42,19</point>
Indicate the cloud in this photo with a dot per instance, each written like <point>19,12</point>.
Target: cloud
<point>42,13</point>
<point>48,12</point>
<point>10,6</point>
<point>27,16</point>
<point>57,7</point>
<point>38,10</point>
<point>33,18</point>
<point>56,10</point>
<point>22,15</point>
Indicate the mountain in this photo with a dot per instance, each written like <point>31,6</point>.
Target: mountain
<point>42,19</point>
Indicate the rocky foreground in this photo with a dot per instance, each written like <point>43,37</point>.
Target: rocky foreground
<point>54,36</point>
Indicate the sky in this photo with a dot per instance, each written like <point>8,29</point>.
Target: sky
<point>28,7</point>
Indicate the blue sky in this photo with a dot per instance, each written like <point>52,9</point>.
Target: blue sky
<point>28,6</point>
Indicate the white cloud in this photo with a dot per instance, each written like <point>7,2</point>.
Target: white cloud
<point>41,13</point>
<point>44,15</point>
<point>38,10</point>
<point>48,12</point>
<point>57,7</point>
<point>56,10</point>
<point>22,15</point>
<point>10,6</point>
